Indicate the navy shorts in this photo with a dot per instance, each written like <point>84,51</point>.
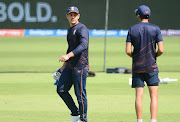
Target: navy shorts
<point>138,79</point>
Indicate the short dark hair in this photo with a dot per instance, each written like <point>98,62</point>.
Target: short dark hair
<point>143,17</point>
<point>146,16</point>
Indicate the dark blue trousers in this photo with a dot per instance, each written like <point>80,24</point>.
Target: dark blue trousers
<point>78,78</point>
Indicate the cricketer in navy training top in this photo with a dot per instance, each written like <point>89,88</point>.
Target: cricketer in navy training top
<point>75,67</point>
<point>144,37</point>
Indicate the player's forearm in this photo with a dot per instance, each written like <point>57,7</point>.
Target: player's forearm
<point>159,53</point>
<point>64,64</point>
<point>160,49</point>
<point>129,53</point>
<point>80,48</point>
<point>128,49</point>
<point>70,54</point>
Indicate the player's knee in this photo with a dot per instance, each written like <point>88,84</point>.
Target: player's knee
<point>60,92</point>
<point>60,89</point>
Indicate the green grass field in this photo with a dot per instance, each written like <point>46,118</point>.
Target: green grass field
<point>27,93</point>
<point>41,54</point>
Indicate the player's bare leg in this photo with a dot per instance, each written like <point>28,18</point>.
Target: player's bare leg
<point>138,102</point>
<point>153,91</point>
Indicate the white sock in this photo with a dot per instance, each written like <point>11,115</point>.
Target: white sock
<point>153,120</point>
<point>139,120</point>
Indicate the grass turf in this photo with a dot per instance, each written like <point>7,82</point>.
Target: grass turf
<point>32,97</point>
<point>41,54</point>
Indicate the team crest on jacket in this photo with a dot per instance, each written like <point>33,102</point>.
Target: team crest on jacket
<point>74,32</point>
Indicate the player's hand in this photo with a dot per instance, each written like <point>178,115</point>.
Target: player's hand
<point>64,58</point>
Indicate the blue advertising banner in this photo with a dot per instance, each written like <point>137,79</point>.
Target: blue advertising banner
<point>45,32</point>
<point>63,32</point>
<point>92,33</point>
<point>110,33</point>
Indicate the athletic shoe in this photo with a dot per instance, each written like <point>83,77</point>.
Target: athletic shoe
<point>79,120</point>
<point>75,118</point>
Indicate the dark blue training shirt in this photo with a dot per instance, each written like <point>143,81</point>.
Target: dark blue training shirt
<point>78,40</point>
<point>144,37</point>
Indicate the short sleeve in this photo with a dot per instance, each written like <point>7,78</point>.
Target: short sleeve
<point>128,37</point>
<point>158,36</point>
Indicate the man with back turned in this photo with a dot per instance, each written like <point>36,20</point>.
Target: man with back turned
<point>144,37</point>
